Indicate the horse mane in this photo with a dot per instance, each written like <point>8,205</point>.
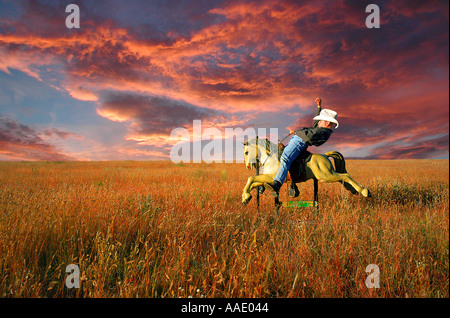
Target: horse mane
<point>271,148</point>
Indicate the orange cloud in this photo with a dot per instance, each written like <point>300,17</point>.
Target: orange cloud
<point>255,57</point>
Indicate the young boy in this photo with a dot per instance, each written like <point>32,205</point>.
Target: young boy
<point>318,134</point>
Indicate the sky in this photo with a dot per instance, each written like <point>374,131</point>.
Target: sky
<point>135,70</point>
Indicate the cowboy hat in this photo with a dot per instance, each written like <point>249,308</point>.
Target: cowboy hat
<point>327,115</point>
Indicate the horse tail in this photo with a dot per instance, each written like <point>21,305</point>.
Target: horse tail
<point>339,161</point>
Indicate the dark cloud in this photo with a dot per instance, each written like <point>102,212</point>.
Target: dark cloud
<point>422,148</point>
<point>59,133</point>
<point>152,115</point>
<point>20,142</point>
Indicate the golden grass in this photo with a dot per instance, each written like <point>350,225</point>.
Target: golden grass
<point>156,229</point>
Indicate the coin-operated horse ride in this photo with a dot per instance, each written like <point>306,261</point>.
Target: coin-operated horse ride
<point>264,154</point>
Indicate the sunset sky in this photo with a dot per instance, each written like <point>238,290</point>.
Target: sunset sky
<point>115,88</point>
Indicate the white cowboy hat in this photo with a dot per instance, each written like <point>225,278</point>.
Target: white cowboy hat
<point>327,115</point>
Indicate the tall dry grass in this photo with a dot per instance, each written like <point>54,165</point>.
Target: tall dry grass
<point>156,229</point>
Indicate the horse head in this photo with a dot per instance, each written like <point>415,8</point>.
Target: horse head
<point>250,154</point>
<point>260,151</point>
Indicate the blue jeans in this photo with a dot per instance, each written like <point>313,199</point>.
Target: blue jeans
<point>292,150</point>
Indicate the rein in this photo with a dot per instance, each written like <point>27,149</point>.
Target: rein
<point>267,155</point>
<point>281,141</point>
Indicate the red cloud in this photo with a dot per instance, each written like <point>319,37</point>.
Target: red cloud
<point>247,57</point>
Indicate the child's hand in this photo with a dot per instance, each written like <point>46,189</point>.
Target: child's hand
<point>318,101</point>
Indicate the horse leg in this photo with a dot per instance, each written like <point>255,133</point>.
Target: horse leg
<point>347,178</point>
<point>333,176</point>
<point>349,187</point>
<point>253,182</point>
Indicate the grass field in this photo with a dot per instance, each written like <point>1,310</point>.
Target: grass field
<point>157,229</point>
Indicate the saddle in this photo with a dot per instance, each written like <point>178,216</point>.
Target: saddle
<point>297,171</point>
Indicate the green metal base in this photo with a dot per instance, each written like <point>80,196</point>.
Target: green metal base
<point>300,204</point>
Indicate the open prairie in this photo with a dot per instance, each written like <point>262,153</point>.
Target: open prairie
<point>158,229</point>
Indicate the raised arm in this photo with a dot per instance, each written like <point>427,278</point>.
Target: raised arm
<point>319,108</point>
<point>319,105</point>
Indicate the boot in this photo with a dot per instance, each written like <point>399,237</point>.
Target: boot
<point>273,187</point>
<point>293,191</point>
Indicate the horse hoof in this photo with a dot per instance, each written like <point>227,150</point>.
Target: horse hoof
<point>366,193</point>
<point>246,201</point>
<point>294,192</point>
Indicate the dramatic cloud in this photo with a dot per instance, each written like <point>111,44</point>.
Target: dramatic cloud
<point>20,142</point>
<point>158,65</point>
<point>152,116</point>
<point>405,149</point>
